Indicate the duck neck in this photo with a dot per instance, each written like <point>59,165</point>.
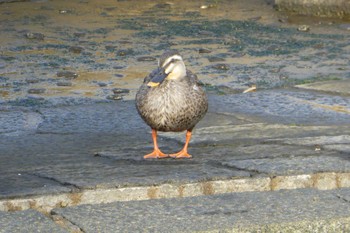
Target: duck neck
<point>178,73</point>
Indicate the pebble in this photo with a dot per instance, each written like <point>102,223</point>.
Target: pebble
<point>215,59</point>
<point>203,50</point>
<point>255,19</point>
<point>118,67</point>
<point>273,48</point>
<point>231,41</point>
<point>110,48</point>
<point>146,58</point>
<point>163,5</point>
<point>76,49</point>
<point>207,6</point>
<point>5,85</point>
<point>79,34</point>
<point>124,52</point>
<point>36,91</point>
<point>238,54</point>
<point>342,68</point>
<point>64,11</point>
<point>114,97</point>
<point>102,84</point>
<point>119,75</point>
<point>282,20</point>
<point>35,36</point>
<point>105,14</point>
<point>3,79</point>
<point>64,84</point>
<point>303,28</point>
<point>110,8</point>
<point>67,74</point>
<point>32,80</point>
<point>125,42</point>
<point>221,67</point>
<point>205,33</point>
<point>120,91</point>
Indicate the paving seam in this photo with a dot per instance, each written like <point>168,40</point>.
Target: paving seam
<point>65,223</point>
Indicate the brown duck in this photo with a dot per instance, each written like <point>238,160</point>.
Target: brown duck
<point>171,100</point>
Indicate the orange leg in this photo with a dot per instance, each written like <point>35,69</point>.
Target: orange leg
<point>156,154</point>
<point>183,153</point>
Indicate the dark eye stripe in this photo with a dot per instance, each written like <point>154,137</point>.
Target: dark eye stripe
<point>171,61</point>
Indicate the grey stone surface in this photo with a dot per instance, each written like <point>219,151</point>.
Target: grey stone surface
<point>338,86</point>
<point>128,169</point>
<point>317,140</point>
<point>340,147</point>
<point>215,213</point>
<point>286,106</point>
<point>101,145</point>
<point>102,118</point>
<point>18,184</point>
<point>291,165</point>
<point>15,121</point>
<point>27,221</point>
<point>328,8</point>
<point>74,144</point>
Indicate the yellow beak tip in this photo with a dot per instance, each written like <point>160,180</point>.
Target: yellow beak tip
<point>152,84</point>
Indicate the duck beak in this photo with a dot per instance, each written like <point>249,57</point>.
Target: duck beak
<point>157,79</point>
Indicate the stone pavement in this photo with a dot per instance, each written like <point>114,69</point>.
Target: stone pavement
<point>273,160</point>
<point>71,141</point>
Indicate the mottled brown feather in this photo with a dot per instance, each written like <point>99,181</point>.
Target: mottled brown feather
<point>174,105</point>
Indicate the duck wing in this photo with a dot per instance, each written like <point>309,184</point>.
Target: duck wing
<point>192,77</point>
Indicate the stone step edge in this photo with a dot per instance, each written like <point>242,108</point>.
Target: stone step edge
<point>45,203</point>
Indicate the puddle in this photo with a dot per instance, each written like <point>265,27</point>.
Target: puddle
<point>102,41</point>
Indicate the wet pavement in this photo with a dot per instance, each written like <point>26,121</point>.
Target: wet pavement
<point>78,157</point>
<point>72,143</point>
<point>60,53</point>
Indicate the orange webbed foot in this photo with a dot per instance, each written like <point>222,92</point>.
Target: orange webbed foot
<point>156,154</point>
<point>181,155</point>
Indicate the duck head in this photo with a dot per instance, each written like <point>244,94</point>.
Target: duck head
<point>170,67</point>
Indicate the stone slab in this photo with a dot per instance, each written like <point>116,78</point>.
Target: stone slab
<point>259,132</point>
<point>74,135</point>
<point>294,165</point>
<point>27,221</point>
<point>339,86</point>
<point>122,166</point>
<point>287,106</point>
<point>16,121</point>
<point>304,210</point>
<point>18,184</point>
<point>292,107</point>
<point>126,172</point>
<point>102,118</point>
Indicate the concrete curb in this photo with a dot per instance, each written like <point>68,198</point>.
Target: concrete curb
<point>300,210</point>
<point>45,203</point>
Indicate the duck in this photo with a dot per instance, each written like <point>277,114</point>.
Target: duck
<point>171,99</point>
